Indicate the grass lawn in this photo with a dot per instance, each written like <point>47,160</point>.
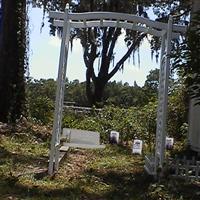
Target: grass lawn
<point>111,173</point>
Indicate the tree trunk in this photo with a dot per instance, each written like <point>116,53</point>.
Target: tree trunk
<point>95,89</point>
<point>92,39</point>
<point>98,91</point>
<point>12,60</point>
<point>89,88</point>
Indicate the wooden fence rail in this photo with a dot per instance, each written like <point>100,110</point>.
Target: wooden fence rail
<point>189,169</point>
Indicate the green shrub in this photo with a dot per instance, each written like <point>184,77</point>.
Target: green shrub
<point>41,108</point>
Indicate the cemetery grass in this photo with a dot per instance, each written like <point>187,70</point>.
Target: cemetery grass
<point>111,173</point>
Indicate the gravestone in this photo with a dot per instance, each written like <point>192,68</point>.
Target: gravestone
<point>169,143</point>
<point>137,147</point>
<point>114,137</point>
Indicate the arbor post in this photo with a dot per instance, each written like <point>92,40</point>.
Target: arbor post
<point>163,97</point>
<point>55,141</point>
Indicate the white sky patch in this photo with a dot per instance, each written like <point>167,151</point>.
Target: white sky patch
<point>76,47</point>
<point>146,44</point>
<point>54,41</point>
<point>45,51</point>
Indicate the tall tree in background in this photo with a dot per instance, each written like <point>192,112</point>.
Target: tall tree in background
<point>99,43</point>
<point>12,60</point>
<point>99,46</point>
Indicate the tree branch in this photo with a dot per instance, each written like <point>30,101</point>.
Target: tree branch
<point>104,59</point>
<point>89,93</point>
<point>92,58</point>
<point>106,43</point>
<point>86,57</point>
<point>128,53</point>
<point>113,42</point>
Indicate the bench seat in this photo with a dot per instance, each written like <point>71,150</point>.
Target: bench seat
<point>81,139</point>
<point>84,146</point>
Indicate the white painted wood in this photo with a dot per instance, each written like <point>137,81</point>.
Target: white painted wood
<point>125,25</point>
<point>127,21</point>
<point>83,139</point>
<point>150,165</point>
<point>163,98</point>
<point>84,146</point>
<point>66,133</point>
<point>117,16</point>
<point>159,124</point>
<point>82,109</point>
<point>57,15</point>
<point>81,136</point>
<point>148,170</point>
<point>64,148</point>
<point>61,155</point>
<point>54,151</point>
<point>185,169</point>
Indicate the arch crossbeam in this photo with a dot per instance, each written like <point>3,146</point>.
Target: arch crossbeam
<point>119,24</point>
<point>111,19</point>
<point>167,32</point>
<point>123,17</point>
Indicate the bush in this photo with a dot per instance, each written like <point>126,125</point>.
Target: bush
<point>41,108</point>
<point>131,123</point>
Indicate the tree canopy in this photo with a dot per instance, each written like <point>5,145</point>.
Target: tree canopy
<point>99,43</point>
<point>185,50</point>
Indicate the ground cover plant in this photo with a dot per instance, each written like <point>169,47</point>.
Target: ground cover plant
<point>112,173</point>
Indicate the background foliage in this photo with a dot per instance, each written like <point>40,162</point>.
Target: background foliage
<point>131,110</point>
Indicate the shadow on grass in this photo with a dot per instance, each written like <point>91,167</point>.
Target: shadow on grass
<point>4,152</point>
<point>125,185</point>
<point>10,187</point>
<point>121,190</point>
<point>190,191</point>
<point>23,159</point>
<point>115,149</point>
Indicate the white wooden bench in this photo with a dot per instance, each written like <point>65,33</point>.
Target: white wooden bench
<point>80,139</point>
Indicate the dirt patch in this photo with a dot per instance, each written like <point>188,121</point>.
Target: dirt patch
<point>74,163</point>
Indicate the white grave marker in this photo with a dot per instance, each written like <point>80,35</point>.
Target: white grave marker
<point>169,143</point>
<point>137,147</point>
<point>114,137</point>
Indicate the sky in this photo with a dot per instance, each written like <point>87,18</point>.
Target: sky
<point>45,50</point>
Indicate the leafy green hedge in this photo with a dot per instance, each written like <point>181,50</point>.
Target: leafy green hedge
<point>131,123</point>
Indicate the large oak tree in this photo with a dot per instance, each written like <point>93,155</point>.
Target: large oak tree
<point>99,44</point>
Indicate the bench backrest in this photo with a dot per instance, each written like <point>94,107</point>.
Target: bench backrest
<point>82,136</point>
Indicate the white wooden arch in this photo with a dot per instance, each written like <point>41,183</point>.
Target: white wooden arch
<point>167,32</point>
